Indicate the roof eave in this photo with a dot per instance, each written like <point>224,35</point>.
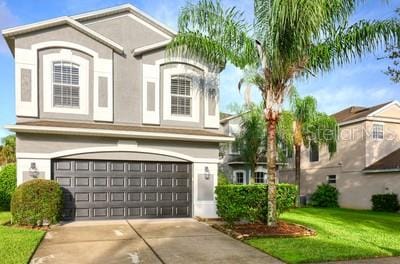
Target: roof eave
<point>116,133</point>
<point>10,33</point>
<point>372,171</point>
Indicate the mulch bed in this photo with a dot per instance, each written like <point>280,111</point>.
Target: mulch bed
<point>250,230</point>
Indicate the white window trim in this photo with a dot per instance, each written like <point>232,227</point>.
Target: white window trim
<point>195,92</point>
<point>65,55</point>
<point>244,176</point>
<point>231,152</point>
<point>264,170</point>
<point>383,130</point>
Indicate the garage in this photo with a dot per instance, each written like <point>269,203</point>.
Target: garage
<point>100,189</point>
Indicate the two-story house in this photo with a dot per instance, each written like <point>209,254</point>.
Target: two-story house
<point>127,130</point>
<point>232,163</point>
<point>367,160</point>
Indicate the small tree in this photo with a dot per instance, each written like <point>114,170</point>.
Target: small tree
<point>7,154</point>
<point>310,126</point>
<point>251,139</point>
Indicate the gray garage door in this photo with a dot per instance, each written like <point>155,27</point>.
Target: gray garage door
<point>124,189</point>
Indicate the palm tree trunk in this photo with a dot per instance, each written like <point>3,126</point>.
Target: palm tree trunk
<point>271,167</point>
<point>297,171</point>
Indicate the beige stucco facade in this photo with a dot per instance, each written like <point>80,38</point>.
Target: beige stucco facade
<point>356,150</point>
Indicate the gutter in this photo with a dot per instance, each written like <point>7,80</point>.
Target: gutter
<point>114,133</point>
<point>381,171</point>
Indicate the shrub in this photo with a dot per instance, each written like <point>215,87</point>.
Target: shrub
<point>385,202</point>
<point>249,202</point>
<point>222,179</point>
<point>37,201</point>
<point>8,183</point>
<point>325,196</point>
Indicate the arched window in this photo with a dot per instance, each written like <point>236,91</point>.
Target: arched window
<point>181,97</point>
<point>65,84</point>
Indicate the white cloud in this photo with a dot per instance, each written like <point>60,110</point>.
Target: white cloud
<point>7,19</point>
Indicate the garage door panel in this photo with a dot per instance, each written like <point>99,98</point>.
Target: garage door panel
<point>119,190</point>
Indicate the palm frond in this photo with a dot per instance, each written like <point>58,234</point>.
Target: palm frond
<point>223,32</point>
<point>346,44</point>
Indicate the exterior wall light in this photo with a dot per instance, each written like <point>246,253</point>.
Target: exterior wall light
<point>207,173</point>
<point>33,171</point>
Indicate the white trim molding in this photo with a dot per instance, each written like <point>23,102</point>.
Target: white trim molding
<point>244,176</point>
<point>10,32</point>
<point>144,49</point>
<point>195,93</point>
<point>115,133</point>
<point>137,13</point>
<point>67,56</point>
<point>116,148</point>
<point>28,58</point>
<point>151,75</point>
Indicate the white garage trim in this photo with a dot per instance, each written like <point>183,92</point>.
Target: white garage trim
<point>120,148</point>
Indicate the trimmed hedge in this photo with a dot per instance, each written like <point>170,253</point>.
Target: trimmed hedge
<point>222,179</point>
<point>8,183</point>
<point>249,202</point>
<point>37,201</point>
<point>385,202</point>
<point>325,196</point>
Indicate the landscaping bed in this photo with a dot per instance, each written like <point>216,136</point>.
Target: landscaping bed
<point>251,230</point>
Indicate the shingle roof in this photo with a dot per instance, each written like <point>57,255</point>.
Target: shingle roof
<point>355,112</point>
<point>389,162</point>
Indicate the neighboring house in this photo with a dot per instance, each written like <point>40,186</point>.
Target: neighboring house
<point>367,160</point>
<point>232,164</point>
<point>127,131</point>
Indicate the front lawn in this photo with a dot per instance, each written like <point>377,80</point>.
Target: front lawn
<point>16,244</point>
<point>342,234</point>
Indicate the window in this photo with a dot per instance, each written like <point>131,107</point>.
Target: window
<point>377,131</point>
<point>259,177</point>
<point>65,84</point>
<point>331,179</point>
<point>314,152</point>
<point>181,100</point>
<point>239,177</point>
<point>234,148</point>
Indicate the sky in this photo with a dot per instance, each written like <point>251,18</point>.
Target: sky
<point>361,83</point>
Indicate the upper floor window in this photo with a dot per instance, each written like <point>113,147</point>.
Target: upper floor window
<point>181,99</point>
<point>65,84</point>
<point>314,152</point>
<point>377,131</point>
<point>234,148</point>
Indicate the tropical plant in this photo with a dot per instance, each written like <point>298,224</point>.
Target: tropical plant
<point>310,127</point>
<point>7,154</point>
<point>251,139</point>
<point>287,39</point>
<point>393,53</point>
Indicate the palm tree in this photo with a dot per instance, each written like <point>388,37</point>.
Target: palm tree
<point>251,139</point>
<point>287,39</point>
<point>310,127</point>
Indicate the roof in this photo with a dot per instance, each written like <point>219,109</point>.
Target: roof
<point>75,22</point>
<point>355,112</point>
<point>112,130</point>
<point>388,163</point>
<point>223,115</point>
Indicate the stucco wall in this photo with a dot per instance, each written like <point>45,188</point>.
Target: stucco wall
<point>41,143</point>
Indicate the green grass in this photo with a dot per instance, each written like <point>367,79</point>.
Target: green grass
<point>16,244</point>
<point>4,217</point>
<point>342,234</point>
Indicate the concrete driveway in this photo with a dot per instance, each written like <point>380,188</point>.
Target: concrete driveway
<point>143,241</point>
